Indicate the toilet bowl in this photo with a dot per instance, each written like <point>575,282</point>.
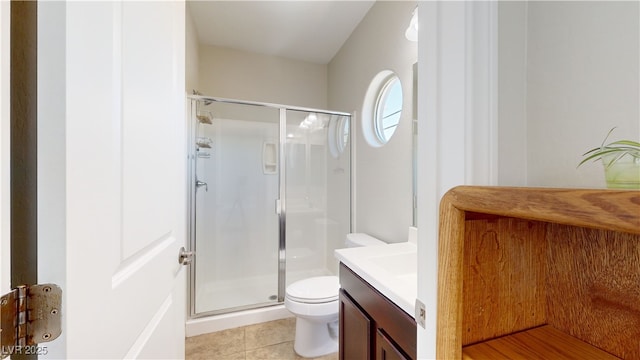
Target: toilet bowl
<point>314,302</point>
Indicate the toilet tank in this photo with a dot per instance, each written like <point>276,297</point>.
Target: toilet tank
<point>362,239</point>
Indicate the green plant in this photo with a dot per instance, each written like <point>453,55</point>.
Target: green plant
<point>613,151</point>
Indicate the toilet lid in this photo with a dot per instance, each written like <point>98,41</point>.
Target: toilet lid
<point>314,290</point>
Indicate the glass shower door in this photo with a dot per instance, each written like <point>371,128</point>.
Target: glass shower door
<point>317,191</point>
<point>236,224</point>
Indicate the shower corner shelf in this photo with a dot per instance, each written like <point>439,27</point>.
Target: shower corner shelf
<point>204,155</point>
<point>204,142</point>
<point>204,118</point>
<point>270,169</point>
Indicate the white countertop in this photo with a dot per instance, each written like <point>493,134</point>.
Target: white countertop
<point>391,269</point>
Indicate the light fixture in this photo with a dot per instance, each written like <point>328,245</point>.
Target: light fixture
<point>412,31</point>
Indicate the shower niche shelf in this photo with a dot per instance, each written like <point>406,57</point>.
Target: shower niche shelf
<point>269,158</point>
<point>204,142</point>
<point>205,118</point>
<point>204,155</point>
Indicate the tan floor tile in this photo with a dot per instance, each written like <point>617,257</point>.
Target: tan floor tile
<point>283,351</point>
<point>236,356</point>
<point>269,333</point>
<point>225,345</point>
<point>218,345</point>
<point>333,356</point>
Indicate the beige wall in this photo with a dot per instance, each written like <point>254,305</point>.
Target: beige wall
<point>383,182</point>
<point>569,72</point>
<point>242,75</point>
<point>582,80</point>
<point>512,87</point>
<point>192,58</point>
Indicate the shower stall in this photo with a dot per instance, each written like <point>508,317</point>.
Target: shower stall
<point>270,198</point>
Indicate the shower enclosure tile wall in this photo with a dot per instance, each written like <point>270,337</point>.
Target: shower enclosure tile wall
<point>237,177</point>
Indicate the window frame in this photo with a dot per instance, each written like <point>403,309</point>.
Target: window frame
<point>375,99</point>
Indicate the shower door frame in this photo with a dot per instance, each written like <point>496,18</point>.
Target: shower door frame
<point>280,202</point>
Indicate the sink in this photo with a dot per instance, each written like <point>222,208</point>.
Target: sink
<point>391,269</point>
<point>397,264</point>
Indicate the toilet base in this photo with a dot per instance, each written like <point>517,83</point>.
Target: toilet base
<point>315,339</point>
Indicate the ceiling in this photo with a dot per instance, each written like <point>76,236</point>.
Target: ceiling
<point>310,31</point>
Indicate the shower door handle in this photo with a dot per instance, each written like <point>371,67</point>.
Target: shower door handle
<point>200,184</point>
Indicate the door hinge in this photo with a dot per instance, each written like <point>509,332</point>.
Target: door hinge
<point>421,313</point>
<point>30,315</point>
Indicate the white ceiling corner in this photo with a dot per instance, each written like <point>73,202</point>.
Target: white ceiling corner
<point>310,31</point>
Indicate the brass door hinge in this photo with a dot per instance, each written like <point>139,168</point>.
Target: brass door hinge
<point>30,315</point>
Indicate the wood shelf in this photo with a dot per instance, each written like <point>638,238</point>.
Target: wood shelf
<point>544,342</point>
<point>519,262</point>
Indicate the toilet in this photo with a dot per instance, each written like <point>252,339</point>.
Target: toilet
<point>314,302</point>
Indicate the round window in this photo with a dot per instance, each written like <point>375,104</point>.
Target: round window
<point>382,108</point>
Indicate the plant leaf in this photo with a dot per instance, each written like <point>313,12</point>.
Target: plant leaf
<point>598,155</point>
<point>620,148</point>
<point>633,144</point>
<point>606,137</point>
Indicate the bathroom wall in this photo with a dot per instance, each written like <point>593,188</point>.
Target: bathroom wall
<point>192,57</point>
<point>383,176</point>
<point>512,87</point>
<point>569,72</point>
<point>237,74</point>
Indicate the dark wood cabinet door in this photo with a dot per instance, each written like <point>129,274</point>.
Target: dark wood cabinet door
<point>355,331</point>
<point>386,350</point>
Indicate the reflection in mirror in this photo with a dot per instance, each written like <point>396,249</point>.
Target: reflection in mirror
<point>414,145</point>
<point>338,135</point>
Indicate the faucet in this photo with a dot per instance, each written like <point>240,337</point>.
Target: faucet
<point>200,184</point>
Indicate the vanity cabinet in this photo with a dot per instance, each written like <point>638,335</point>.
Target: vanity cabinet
<point>371,326</point>
<point>539,273</point>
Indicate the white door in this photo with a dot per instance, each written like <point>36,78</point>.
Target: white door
<point>112,170</point>
<point>5,278</point>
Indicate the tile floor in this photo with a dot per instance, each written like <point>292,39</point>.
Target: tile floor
<point>270,340</point>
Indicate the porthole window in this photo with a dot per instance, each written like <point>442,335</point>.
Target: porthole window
<point>388,109</point>
<point>382,108</point>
